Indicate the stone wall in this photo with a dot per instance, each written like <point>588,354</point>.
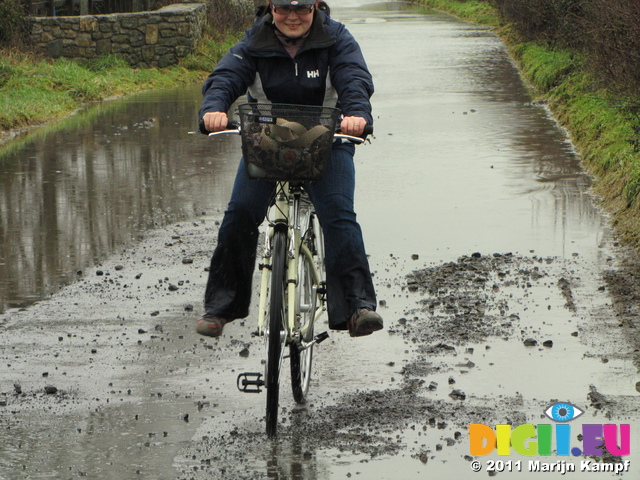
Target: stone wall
<point>146,39</point>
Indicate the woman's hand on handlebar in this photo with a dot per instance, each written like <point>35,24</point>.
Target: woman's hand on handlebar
<point>353,126</point>
<point>215,121</point>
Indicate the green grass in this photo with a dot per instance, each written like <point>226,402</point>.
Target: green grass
<point>35,90</point>
<point>476,11</point>
<point>209,51</point>
<point>544,67</point>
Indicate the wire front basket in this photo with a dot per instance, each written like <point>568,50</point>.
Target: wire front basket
<point>286,142</point>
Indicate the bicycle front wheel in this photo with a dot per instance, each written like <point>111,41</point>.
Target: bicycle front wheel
<point>276,333</point>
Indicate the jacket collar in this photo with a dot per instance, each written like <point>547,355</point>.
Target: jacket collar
<point>262,38</point>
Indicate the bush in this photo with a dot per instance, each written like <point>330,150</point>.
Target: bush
<point>606,31</point>
<point>12,23</point>
<point>614,40</point>
<point>555,22</point>
<point>227,16</point>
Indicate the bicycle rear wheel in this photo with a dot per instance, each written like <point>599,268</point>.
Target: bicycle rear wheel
<point>306,306</point>
<point>301,359</point>
<point>275,332</point>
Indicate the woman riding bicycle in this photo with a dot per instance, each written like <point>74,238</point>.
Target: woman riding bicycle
<point>293,54</point>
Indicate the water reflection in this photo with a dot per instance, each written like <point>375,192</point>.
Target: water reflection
<point>481,167</point>
<point>291,462</point>
<point>72,194</point>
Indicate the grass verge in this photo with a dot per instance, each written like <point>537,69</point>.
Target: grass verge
<point>475,11</point>
<point>36,90</point>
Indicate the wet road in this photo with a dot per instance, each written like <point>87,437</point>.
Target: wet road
<point>75,192</point>
<point>462,162</point>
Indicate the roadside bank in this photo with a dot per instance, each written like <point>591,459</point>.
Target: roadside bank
<point>65,86</point>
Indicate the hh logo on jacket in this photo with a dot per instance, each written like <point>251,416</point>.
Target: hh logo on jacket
<point>313,73</point>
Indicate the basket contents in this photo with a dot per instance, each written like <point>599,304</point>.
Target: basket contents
<point>286,142</point>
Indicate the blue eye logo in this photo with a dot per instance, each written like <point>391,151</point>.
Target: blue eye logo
<point>563,412</point>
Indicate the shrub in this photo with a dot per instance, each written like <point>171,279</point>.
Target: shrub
<point>227,16</point>
<point>614,46</point>
<point>554,22</point>
<point>12,23</point>
<point>606,31</point>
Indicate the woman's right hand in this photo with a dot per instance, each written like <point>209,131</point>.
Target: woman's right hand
<point>215,121</point>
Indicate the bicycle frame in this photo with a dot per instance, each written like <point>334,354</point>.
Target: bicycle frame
<point>287,203</point>
<point>292,293</point>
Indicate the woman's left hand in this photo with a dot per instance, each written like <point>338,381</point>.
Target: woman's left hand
<point>353,126</point>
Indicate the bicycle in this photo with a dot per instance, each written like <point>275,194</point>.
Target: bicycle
<point>288,144</point>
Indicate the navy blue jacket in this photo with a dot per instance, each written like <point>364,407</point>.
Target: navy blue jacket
<point>328,70</point>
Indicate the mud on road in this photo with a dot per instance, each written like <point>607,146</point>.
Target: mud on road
<point>106,379</point>
<point>461,308</point>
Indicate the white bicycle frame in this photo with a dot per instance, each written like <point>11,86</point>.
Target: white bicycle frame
<point>287,204</point>
<point>280,212</point>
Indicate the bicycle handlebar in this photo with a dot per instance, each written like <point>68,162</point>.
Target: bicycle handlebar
<point>233,126</point>
<point>368,130</point>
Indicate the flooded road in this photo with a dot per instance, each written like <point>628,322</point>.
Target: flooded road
<point>75,192</point>
<point>488,252</point>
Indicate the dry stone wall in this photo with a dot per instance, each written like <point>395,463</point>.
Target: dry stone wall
<point>146,39</point>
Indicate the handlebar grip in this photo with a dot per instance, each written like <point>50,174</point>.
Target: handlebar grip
<point>203,130</point>
<point>231,125</point>
<point>368,130</point>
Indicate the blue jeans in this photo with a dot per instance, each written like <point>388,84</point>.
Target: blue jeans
<point>349,283</point>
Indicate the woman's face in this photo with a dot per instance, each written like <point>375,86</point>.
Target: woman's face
<point>291,20</point>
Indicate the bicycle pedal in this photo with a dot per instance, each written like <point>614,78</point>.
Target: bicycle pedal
<point>321,337</point>
<point>250,382</point>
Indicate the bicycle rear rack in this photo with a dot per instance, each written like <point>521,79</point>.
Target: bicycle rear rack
<point>250,382</point>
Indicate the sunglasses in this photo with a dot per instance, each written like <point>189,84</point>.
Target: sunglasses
<point>297,9</point>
